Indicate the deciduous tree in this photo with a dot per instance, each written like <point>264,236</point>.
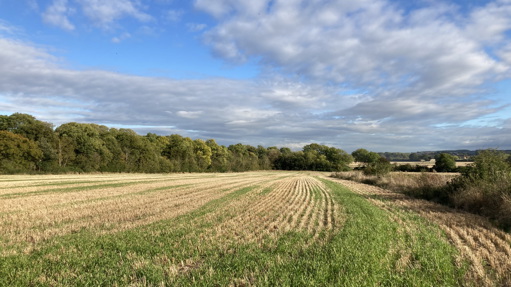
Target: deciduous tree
<point>17,153</point>
<point>445,162</point>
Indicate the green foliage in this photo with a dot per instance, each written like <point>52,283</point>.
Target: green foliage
<point>489,165</point>
<point>445,162</point>
<point>87,143</point>
<point>138,154</point>
<point>411,168</point>
<point>17,153</point>
<point>365,156</point>
<point>243,158</point>
<point>395,156</point>
<point>314,157</point>
<point>180,152</point>
<point>485,187</point>
<point>38,132</point>
<point>289,160</point>
<point>202,154</point>
<point>273,153</point>
<point>263,158</point>
<point>428,155</point>
<point>379,167</point>
<point>421,156</point>
<point>27,126</point>
<point>219,156</point>
<point>82,147</point>
<point>374,164</point>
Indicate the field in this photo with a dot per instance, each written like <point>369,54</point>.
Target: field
<point>237,229</point>
<point>428,164</point>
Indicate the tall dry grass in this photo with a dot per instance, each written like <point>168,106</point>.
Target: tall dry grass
<point>491,199</point>
<point>426,185</point>
<point>487,197</point>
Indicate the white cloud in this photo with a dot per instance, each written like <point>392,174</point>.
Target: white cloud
<point>174,15</point>
<point>291,94</point>
<point>196,27</point>
<point>357,74</point>
<point>5,28</point>
<point>120,38</point>
<point>17,56</point>
<point>504,53</point>
<point>489,23</point>
<point>57,14</point>
<point>216,8</point>
<point>229,110</point>
<point>189,114</point>
<point>361,43</point>
<point>105,13</point>
<point>32,4</point>
<point>271,111</point>
<point>426,62</point>
<point>247,115</point>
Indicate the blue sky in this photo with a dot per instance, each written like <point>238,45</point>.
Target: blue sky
<point>375,74</point>
<point>167,44</point>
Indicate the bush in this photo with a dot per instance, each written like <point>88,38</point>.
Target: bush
<point>404,167</point>
<point>485,187</point>
<point>411,168</point>
<point>489,165</point>
<point>430,186</point>
<point>379,167</point>
<point>445,162</point>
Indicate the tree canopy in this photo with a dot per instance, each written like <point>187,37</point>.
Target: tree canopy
<point>372,163</point>
<point>445,162</point>
<point>30,145</point>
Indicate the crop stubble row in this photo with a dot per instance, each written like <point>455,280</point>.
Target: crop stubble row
<point>38,217</point>
<point>295,203</point>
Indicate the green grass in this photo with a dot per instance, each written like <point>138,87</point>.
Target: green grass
<point>364,251</point>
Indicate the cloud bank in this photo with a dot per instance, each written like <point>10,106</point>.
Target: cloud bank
<point>349,74</point>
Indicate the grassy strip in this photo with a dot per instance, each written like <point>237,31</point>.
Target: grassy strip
<point>367,251</point>
<point>372,245</point>
<point>172,252</point>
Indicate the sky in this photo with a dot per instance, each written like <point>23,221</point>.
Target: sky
<point>396,76</point>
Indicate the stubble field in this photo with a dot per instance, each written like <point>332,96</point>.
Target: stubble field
<point>237,229</point>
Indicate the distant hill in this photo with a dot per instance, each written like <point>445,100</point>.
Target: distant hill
<point>462,154</point>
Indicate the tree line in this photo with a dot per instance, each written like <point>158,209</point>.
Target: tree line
<point>28,145</point>
<point>460,155</point>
